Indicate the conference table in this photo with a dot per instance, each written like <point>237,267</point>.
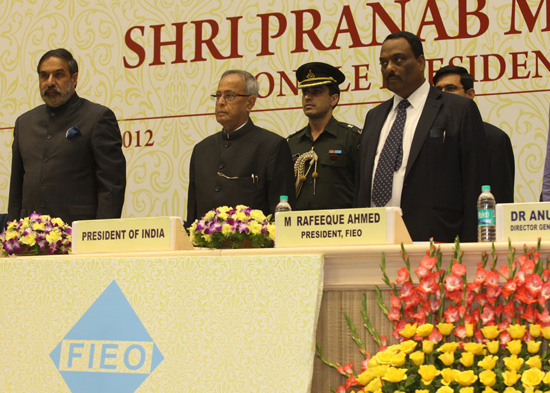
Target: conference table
<point>200,319</point>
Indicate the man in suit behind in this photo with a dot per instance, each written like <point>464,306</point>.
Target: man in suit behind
<point>457,80</point>
<point>67,158</point>
<point>436,161</point>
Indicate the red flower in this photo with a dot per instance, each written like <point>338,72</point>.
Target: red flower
<point>529,314</point>
<point>460,332</point>
<point>428,285</point>
<point>488,316</point>
<point>436,336</point>
<point>453,283</point>
<point>534,284</point>
<point>346,369</point>
<point>458,269</point>
<point>528,266</point>
<point>504,271</point>
<point>402,275</point>
<point>492,279</point>
<point>394,314</point>
<point>428,263</point>
<point>509,288</point>
<point>544,318</point>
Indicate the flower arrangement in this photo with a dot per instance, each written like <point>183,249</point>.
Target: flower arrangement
<point>235,226</point>
<point>36,234</point>
<point>487,335</point>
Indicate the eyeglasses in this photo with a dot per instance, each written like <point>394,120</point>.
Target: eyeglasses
<point>230,96</point>
<point>449,88</point>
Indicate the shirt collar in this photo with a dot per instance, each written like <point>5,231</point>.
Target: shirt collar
<point>416,99</point>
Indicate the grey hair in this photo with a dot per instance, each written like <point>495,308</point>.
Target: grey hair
<point>251,84</point>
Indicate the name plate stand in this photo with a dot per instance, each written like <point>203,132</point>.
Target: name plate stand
<point>130,234</point>
<point>381,225</point>
<point>523,221</point>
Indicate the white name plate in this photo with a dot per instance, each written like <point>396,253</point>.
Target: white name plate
<point>523,221</point>
<point>338,227</point>
<point>129,234</point>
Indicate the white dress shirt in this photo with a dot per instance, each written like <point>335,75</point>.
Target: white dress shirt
<point>414,110</point>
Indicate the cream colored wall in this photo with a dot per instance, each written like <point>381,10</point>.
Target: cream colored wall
<point>172,100</point>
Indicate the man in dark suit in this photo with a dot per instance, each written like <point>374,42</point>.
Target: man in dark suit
<point>67,159</point>
<point>457,80</point>
<point>439,160</point>
<point>243,164</point>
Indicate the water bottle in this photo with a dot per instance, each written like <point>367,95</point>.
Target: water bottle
<point>283,205</point>
<point>486,231</point>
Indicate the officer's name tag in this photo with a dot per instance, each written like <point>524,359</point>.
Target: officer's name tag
<point>338,227</point>
<point>523,221</point>
<point>129,235</point>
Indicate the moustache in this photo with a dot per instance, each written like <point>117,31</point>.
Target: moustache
<point>51,90</point>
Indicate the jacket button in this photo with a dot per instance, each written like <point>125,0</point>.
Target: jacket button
<point>217,188</point>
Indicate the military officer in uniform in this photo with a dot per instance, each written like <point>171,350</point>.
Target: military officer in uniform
<point>325,150</point>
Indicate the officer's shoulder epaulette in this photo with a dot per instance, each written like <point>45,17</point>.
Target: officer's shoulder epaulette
<point>295,133</point>
<point>350,127</point>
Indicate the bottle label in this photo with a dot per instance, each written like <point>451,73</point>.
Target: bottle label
<point>486,217</point>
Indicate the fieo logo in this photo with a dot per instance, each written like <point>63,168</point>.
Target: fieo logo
<point>108,349</point>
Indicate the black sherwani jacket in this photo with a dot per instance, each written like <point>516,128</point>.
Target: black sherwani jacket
<point>75,176</point>
<point>250,166</point>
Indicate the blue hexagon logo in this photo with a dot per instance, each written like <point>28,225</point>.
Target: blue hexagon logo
<point>108,350</point>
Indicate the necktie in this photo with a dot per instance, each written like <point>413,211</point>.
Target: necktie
<point>390,158</point>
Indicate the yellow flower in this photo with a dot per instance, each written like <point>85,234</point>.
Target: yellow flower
<point>11,235</point>
<point>517,331</point>
<point>398,359</point>
<point>374,385</point>
<point>546,332</point>
<point>489,362</point>
<point>511,390</point>
<point>384,357</point>
<point>490,332</point>
<point>535,330</point>
<point>448,347</point>
<point>428,346</point>
<point>365,377</point>
<point>510,377</point>
<point>467,359</point>
<point>38,226</point>
<point>271,231</point>
<point>227,229</point>
<point>255,227</point>
<point>223,216</point>
<point>448,375</point>
<point>380,370</point>
<point>29,240</point>
<point>467,390</point>
<point>513,362</point>
<point>469,329</point>
<point>445,328</point>
<point>53,236</point>
<point>408,346</point>
<point>210,215</point>
<point>534,362</point>
<point>514,347</point>
<point>241,216</point>
<point>408,331</point>
<point>425,330</point>
<point>395,375</point>
<point>257,215</point>
<point>466,378</point>
<point>533,346</point>
<point>532,377</point>
<point>417,357</point>
<point>489,390</point>
<point>373,362</point>
<point>428,372</point>
<point>447,358</point>
<point>493,346</point>
<point>475,348</point>
<point>546,378</point>
<point>445,389</point>
<point>488,377</point>
<point>58,221</point>
<point>421,391</point>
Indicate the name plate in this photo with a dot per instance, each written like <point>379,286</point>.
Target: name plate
<point>338,227</point>
<point>129,234</point>
<point>523,221</point>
